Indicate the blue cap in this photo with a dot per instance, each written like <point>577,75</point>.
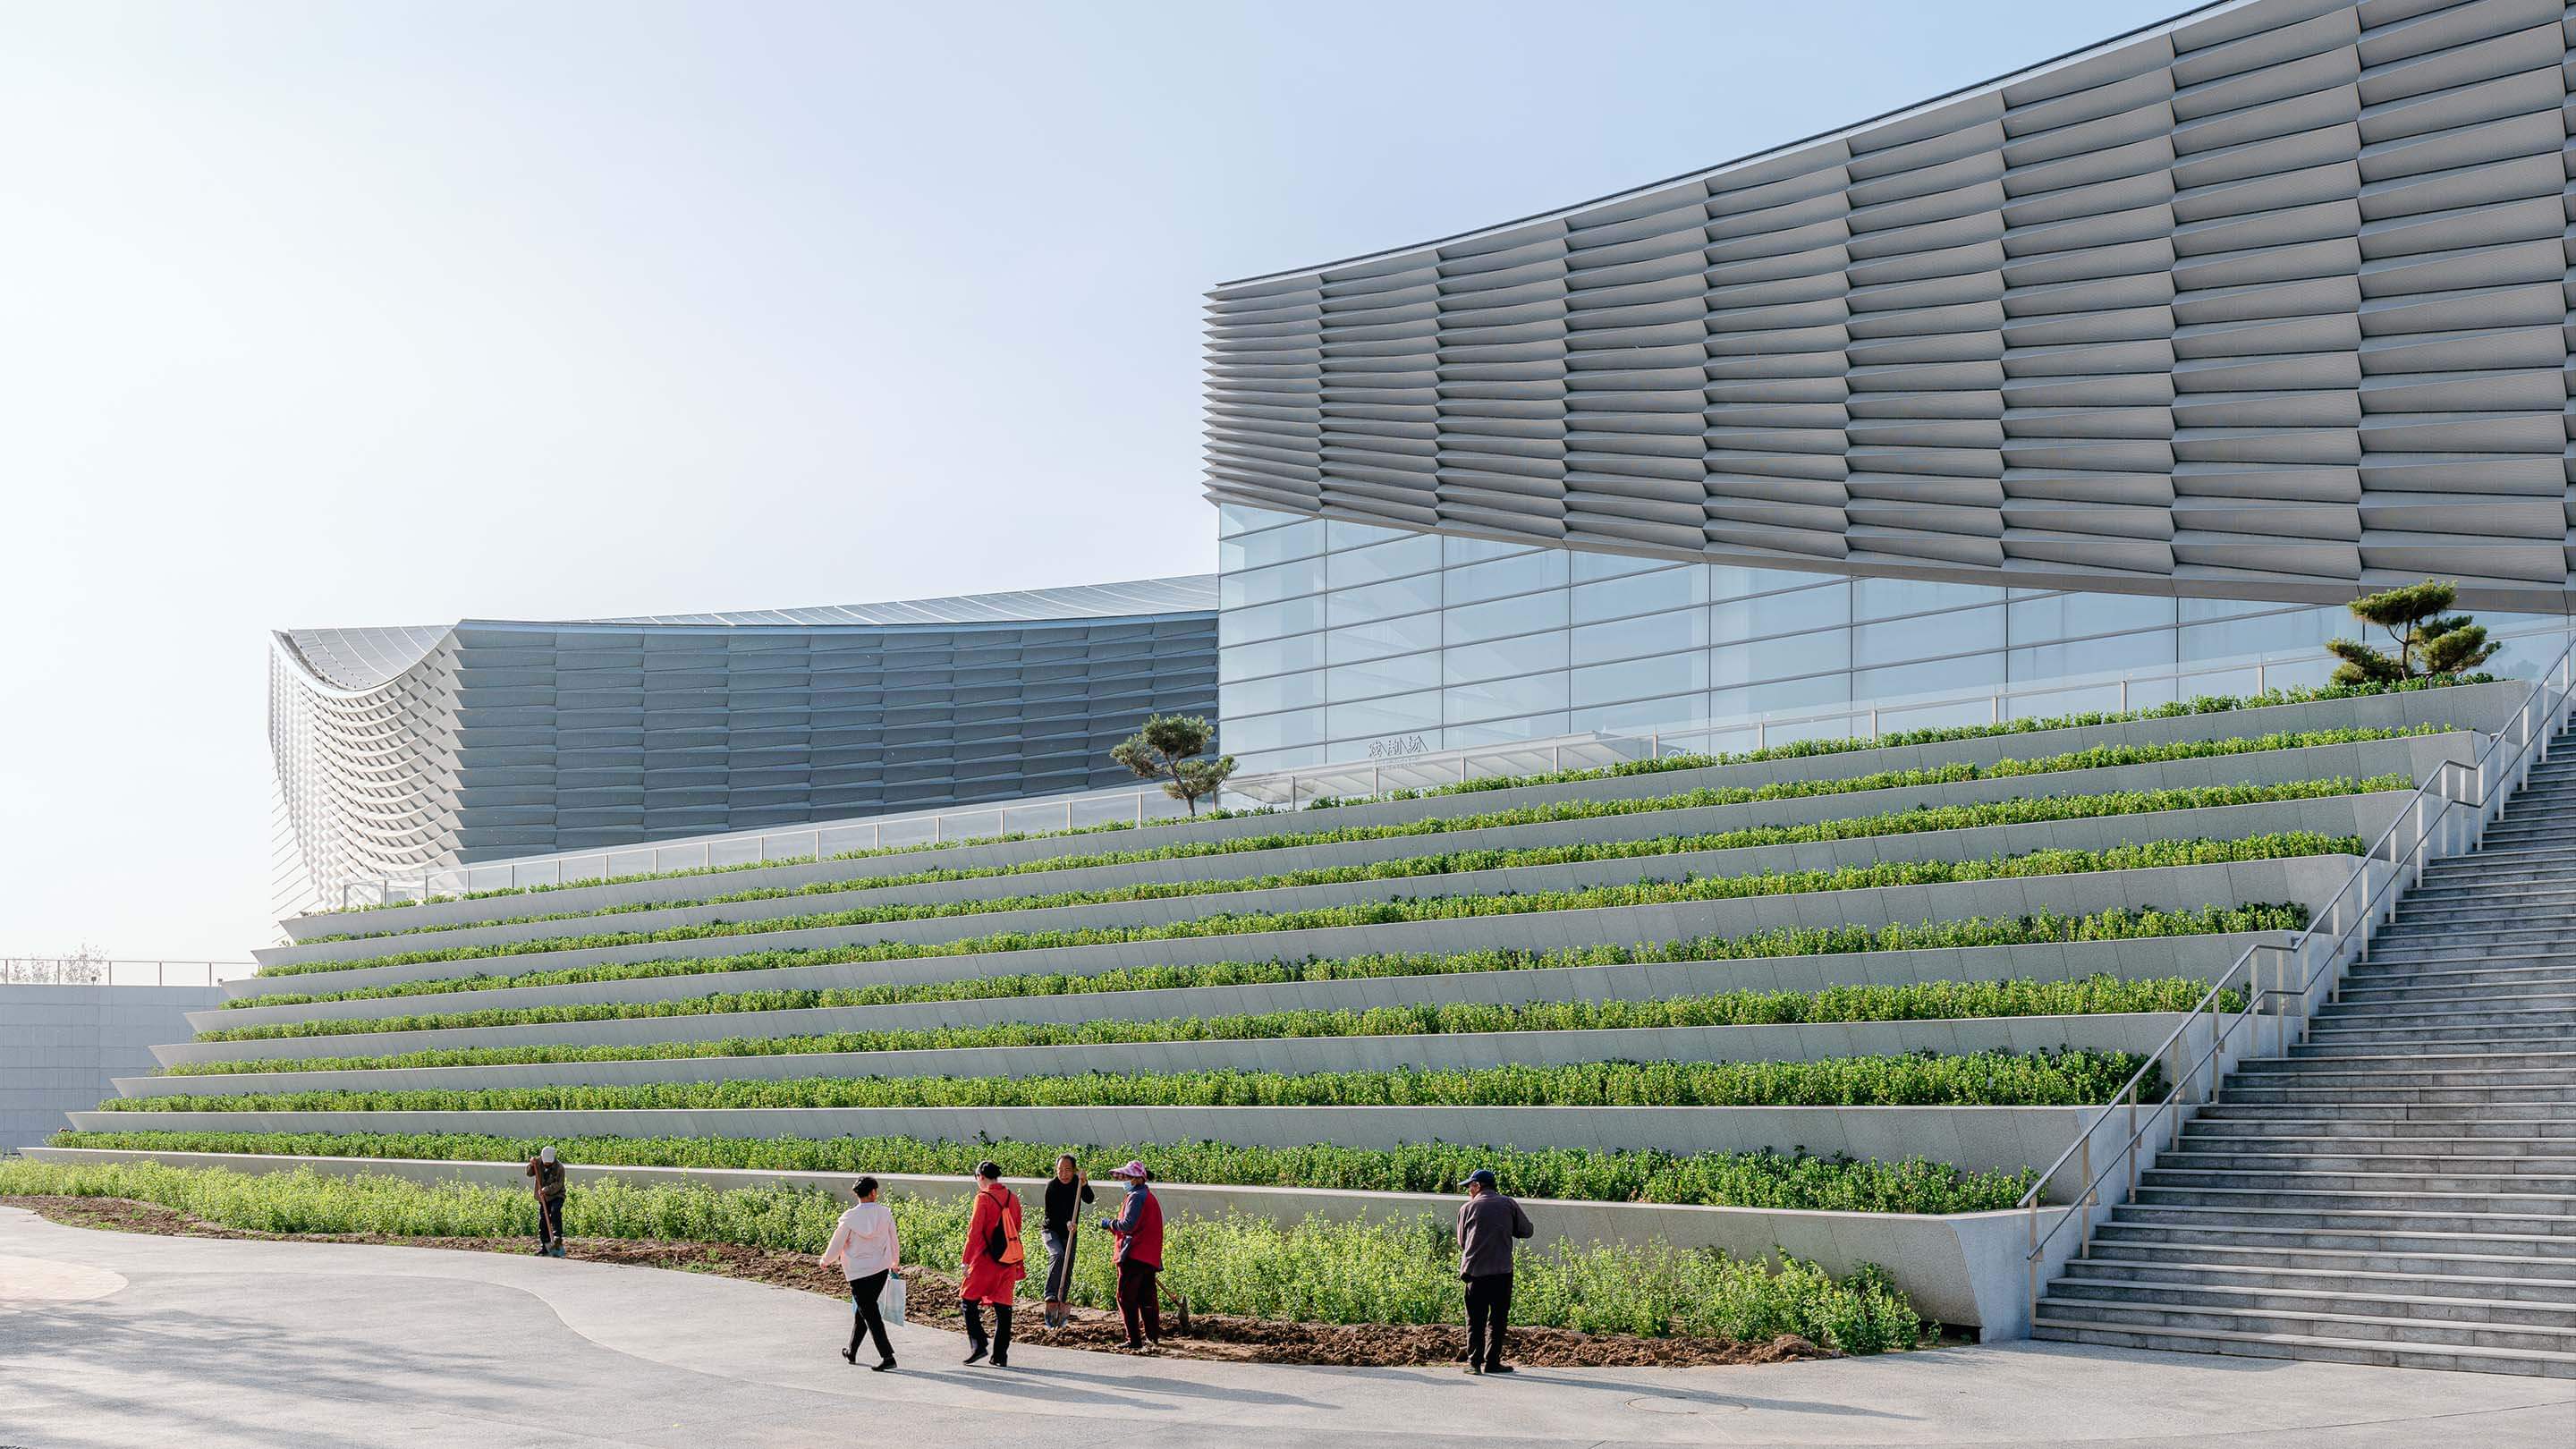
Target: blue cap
<point>1482,1177</point>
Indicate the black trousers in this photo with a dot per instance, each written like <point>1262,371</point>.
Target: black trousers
<point>869,1319</point>
<point>549,1220</point>
<point>1001,1340</point>
<point>1137,1303</point>
<point>1489,1308</point>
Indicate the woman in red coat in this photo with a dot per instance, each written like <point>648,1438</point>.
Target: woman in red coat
<point>993,1264</point>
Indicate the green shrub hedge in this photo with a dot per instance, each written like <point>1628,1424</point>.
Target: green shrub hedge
<point>1801,749</point>
<point>1985,1079</point>
<point>1781,1180</point>
<point>1927,1001</point>
<point>2098,757</point>
<point>1974,932</point>
<point>1317,1271</point>
<point>2152,855</point>
<point>1921,820</point>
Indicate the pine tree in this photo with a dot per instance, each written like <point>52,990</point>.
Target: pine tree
<point>2429,641</point>
<point>1170,748</point>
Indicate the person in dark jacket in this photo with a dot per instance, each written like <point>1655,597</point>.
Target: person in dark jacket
<point>1139,1230</point>
<point>548,1184</point>
<point>1489,1224</point>
<point>1065,1195</point>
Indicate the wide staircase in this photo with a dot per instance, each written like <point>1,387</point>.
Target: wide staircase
<point>2401,1188</point>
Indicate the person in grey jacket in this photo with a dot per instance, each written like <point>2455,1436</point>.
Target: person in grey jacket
<point>1489,1224</point>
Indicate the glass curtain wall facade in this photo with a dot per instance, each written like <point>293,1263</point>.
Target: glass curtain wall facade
<point>1342,641</point>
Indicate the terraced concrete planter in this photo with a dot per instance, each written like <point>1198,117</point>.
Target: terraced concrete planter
<point>2482,707</point>
<point>2139,1032</point>
<point>2416,758</point>
<point>2311,879</point>
<point>1961,1268</point>
<point>1986,1139</point>
<point>2201,957</point>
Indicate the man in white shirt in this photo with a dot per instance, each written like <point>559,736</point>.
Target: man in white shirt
<point>863,1246</point>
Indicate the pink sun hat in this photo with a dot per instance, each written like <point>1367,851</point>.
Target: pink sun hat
<point>1132,1169</point>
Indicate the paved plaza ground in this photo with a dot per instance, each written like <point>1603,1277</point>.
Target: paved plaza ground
<point>118,1339</point>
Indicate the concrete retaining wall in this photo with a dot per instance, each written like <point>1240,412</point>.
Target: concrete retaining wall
<point>2480,707</point>
<point>1964,1268</point>
<point>2414,757</point>
<point>2310,879</point>
<point>2363,815</point>
<point>2138,1032</point>
<point>2199,957</point>
<point>61,1047</point>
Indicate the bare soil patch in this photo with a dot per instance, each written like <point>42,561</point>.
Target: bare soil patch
<point>933,1300</point>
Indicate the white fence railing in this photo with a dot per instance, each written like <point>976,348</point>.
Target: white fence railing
<point>108,971</point>
<point>2447,815</point>
<point>1294,789</point>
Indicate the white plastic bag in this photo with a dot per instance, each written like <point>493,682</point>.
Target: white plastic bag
<point>890,1302</point>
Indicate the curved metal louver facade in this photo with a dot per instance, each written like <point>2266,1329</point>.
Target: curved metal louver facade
<point>2269,301</point>
<point>398,750</point>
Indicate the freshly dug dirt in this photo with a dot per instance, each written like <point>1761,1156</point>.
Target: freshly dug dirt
<point>933,1300</point>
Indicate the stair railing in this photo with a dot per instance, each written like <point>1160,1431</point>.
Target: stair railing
<point>2447,815</point>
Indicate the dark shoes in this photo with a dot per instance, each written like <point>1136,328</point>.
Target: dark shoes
<point>850,1355</point>
<point>1498,1368</point>
<point>878,1368</point>
<point>976,1353</point>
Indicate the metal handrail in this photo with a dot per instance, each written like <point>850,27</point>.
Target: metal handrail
<point>2433,808</point>
<point>957,824</point>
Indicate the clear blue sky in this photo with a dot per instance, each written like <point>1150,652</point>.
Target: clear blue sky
<point>399,313</point>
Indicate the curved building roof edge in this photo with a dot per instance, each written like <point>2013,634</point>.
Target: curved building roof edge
<point>2022,72</point>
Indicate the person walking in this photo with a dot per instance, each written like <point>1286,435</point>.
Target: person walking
<point>1488,1226</point>
<point>1139,1231</point>
<point>548,1184</point>
<point>1065,1195</point>
<point>864,1247</point>
<point>994,1264</point>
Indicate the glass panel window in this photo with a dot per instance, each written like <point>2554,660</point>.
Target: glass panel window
<point>1787,613</point>
<point>1641,678</point>
<point>1381,676</point>
<point>1528,694</point>
<point>1784,657</point>
<point>1640,593</point>
<point>1526,614</point>
<point>1234,518</point>
<point>1505,731</point>
<point>1383,601</point>
<point>1268,621</point>
<point>2300,629</point>
<point>1890,598</point>
<point>1678,631</point>
<point>1520,574</point>
<point>2151,650</point>
<point>1340,534</point>
<point>1381,561</point>
<point>1394,715</point>
<point>1247,733</point>
<point>1822,692</point>
<point>1299,540</point>
<point>1457,551</point>
<point>1939,676</point>
<point>2076,616</point>
<point>1272,656</point>
<point>1928,636</point>
<point>1269,585</point>
<point>1528,654</point>
<point>1591,566</point>
<point>1726,581</point>
<point>1354,642</point>
<point>1644,716</point>
<point>1264,696</point>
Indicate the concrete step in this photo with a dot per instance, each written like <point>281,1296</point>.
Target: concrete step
<point>2052,1326</point>
<point>2247,1119</point>
<point>2356,1043</point>
<point>2174,1206</point>
<point>2380,1303</point>
<point>2385,1179</point>
<point>2217,1228</point>
<point>2382,972</point>
<point>2428,1006</point>
<point>2443,1148</point>
<point>2510,1213</point>
<point>2454,1069</point>
<point>2179,1266</point>
<point>2401,1332</point>
<point>2392,1167</point>
<point>2543,1101</point>
<point>2469,1014</point>
<point>2188,1246</point>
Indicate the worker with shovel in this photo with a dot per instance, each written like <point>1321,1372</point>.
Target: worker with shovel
<point>1065,1195</point>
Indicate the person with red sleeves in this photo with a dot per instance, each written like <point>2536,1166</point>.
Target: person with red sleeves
<point>994,1264</point>
<point>1139,1230</point>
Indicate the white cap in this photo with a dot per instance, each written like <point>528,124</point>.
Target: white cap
<point>545,1154</point>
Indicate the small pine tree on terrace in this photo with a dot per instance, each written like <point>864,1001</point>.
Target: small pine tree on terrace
<point>2429,641</point>
<point>1171,748</point>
